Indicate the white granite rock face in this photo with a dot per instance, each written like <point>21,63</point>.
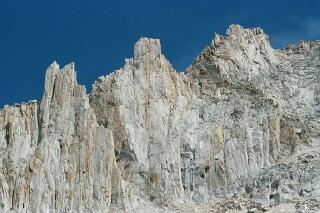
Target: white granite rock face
<point>149,97</point>
<point>65,163</point>
<point>149,138</point>
<point>18,142</point>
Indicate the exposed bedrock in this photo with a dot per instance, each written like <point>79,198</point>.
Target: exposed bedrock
<point>148,137</point>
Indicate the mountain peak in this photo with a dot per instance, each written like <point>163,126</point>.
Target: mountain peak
<point>237,127</point>
<point>147,47</point>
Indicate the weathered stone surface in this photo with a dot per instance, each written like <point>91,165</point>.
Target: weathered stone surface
<point>68,164</point>
<point>18,142</point>
<point>238,131</point>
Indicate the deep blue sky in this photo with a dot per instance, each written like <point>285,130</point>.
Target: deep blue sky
<point>99,34</point>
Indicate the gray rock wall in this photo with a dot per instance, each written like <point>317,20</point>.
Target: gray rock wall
<point>148,137</point>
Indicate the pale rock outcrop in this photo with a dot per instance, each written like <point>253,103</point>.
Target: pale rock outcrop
<point>228,134</point>
<point>178,137</point>
<point>68,164</point>
<point>18,142</point>
<point>142,103</point>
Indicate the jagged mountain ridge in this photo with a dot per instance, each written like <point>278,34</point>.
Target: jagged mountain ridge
<point>147,137</point>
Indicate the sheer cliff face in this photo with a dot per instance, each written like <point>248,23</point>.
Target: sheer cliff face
<point>149,135</point>
<point>62,160</point>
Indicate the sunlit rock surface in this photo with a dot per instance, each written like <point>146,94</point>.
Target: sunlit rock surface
<point>238,131</point>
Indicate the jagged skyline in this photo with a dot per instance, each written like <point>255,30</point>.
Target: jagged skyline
<point>239,130</point>
<point>98,37</point>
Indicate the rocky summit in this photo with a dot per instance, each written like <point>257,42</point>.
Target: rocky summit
<point>238,131</point>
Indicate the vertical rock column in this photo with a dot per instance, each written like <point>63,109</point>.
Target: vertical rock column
<point>138,102</point>
<point>18,141</point>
